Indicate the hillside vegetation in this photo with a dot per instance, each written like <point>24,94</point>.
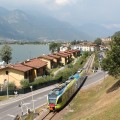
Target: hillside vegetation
<point>98,102</point>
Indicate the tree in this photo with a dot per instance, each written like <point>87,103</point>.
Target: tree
<point>116,34</point>
<point>6,53</point>
<point>54,46</point>
<point>98,42</point>
<point>112,61</point>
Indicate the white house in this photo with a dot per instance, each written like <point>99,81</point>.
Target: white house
<point>63,48</point>
<point>84,47</point>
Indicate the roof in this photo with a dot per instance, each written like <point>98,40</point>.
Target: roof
<point>65,53</point>
<point>20,67</point>
<point>35,63</point>
<point>54,56</point>
<point>68,52</point>
<point>46,57</point>
<point>62,55</point>
<point>73,51</point>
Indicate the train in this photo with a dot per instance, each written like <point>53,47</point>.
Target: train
<point>59,96</point>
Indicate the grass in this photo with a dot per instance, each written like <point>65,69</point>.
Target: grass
<point>95,103</point>
<point>2,98</point>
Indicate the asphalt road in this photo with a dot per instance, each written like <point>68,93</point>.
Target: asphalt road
<point>9,109</point>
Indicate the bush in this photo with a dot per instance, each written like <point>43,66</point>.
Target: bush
<point>25,83</point>
<point>11,86</point>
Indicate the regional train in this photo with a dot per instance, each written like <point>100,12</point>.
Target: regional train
<point>59,96</point>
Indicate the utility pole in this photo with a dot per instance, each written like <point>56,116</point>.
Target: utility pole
<point>32,99</point>
<point>7,73</point>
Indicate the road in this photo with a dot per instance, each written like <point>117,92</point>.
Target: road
<point>8,110</point>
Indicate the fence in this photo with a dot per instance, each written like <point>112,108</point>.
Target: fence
<point>26,90</point>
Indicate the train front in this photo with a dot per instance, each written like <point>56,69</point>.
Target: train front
<point>52,99</point>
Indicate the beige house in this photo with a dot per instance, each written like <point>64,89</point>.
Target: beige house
<point>71,53</point>
<point>56,59</point>
<point>74,53</point>
<point>64,58</point>
<point>48,59</point>
<point>28,70</point>
<point>15,73</point>
<point>39,67</point>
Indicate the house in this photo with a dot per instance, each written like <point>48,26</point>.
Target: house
<point>39,67</point>
<point>84,47</point>
<point>63,48</point>
<point>28,70</point>
<point>49,60</point>
<point>56,59</point>
<point>15,73</point>
<point>64,58</point>
<point>106,40</point>
<point>71,53</point>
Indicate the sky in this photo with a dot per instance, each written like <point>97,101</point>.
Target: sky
<point>77,12</point>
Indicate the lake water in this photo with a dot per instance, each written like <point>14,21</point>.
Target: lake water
<point>23,52</point>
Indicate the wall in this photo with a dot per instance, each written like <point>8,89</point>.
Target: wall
<point>14,76</point>
<point>48,63</point>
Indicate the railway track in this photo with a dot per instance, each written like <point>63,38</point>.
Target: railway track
<point>89,63</point>
<point>48,116</point>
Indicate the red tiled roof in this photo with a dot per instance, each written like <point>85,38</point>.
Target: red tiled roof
<point>68,52</point>
<point>46,57</point>
<point>54,56</point>
<point>62,55</point>
<point>77,50</point>
<point>73,51</point>
<point>20,67</point>
<point>35,63</point>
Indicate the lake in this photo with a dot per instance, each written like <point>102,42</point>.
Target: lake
<point>23,52</point>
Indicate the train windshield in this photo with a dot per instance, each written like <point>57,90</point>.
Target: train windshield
<point>52,101</point>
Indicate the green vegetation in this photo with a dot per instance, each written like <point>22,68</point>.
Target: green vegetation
<point>116,34</point>
<point>96,61</point>
<point>112,61</point>
<point>96,103</point>
<point>71,69</point>
<point>62,76</point>
<point>40,81</point>
<point>6,53</point>
<point>54,46</point>
<point>2,98</point>
<point>98,42</point>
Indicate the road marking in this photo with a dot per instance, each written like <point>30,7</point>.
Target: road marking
<point>11,115</point>
<point>25,103</point>
<point>8,110</point>
<point>41,97</point>
<point>24,97</point>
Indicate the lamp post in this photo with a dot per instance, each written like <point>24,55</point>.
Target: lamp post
<point>32,99</point>
<point>7,81</point>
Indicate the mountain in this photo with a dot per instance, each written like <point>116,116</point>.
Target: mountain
<point>19,25</point>
<point>96,30</point>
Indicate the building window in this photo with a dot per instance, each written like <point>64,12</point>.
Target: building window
<point>26,74</point>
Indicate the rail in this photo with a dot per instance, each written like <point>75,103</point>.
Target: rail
<point>47,116</point>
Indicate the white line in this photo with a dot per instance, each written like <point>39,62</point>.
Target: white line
<point>26,103</point>
<point>42,97</point>
<point>26,96</point>
<point>11,115</point>
<point>9,109</point>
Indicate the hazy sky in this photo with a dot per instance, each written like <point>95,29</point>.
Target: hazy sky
<point>77,12</point>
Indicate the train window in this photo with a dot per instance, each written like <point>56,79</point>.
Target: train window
<point>52,101</point>
<point>59,100</point>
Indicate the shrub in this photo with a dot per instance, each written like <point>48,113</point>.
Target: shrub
<point>24,83</point>
<point>11,86</point>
